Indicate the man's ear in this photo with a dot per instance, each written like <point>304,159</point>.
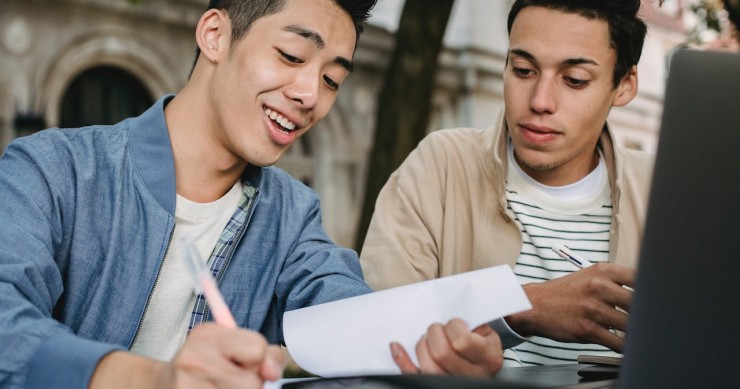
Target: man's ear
<point>212,34</point>
<point>627,88</point>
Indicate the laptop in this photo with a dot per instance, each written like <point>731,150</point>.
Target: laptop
<point>684,328</point>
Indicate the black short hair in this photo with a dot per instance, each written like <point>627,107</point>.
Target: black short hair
<point>626,30</point>
<point>244,12</point>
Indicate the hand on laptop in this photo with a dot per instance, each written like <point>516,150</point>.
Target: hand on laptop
<point>579,307</point>
<point>454,349</point>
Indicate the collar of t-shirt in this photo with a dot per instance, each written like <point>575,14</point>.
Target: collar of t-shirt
<point>589,193</point>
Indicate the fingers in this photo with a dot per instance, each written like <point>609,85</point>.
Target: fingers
<point>611,283</point>
<point>424,349</point>
<point>619,297</point>
<point>622,275</point>
<point>245,348</point>
<point>454,349</point>
<point>604,304</point>
<point>610,301</point>
<point>216,356</point>
<point>604,279</point>
<point>402,359</point>
<point>580,307</point>
<point>480,349</point>
<point>608,338</point>
<point>274,364</point>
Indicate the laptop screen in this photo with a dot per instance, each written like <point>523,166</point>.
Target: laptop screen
<point>684,328</point>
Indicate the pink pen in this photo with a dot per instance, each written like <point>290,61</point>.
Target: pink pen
<point>204,282</point>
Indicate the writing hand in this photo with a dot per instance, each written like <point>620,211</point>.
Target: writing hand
<point>213,356</point>
<point>453,349</point>
<point>220,357</point>
<point>580,307</point>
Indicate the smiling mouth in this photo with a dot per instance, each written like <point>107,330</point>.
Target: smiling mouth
<point>285,125</point>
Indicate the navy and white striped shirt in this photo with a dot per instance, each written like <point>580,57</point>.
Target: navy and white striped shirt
<point>577,215</point>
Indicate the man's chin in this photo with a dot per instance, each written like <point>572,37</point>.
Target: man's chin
<point>265,161</point>
<point>262,164</point>
<point>533,159</point>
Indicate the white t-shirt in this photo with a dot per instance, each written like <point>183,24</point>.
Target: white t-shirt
<point>166,319</point>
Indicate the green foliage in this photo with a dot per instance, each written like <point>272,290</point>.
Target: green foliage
<point>713,15</point>
<point>709,11</point>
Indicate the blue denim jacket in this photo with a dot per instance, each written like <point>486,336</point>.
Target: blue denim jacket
<point>86,216</point>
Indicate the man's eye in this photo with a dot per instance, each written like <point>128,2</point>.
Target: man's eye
<point>522,72</point>
<point>575,82</point>
<point>332,84</point>
<point>290,58</point>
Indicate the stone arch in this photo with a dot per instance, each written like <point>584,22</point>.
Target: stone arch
<point>103,48</point>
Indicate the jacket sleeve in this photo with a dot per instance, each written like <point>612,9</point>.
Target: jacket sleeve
<point>401,246</point>
<point>317,270</point>
<point>405,233</point>
<point>37,350</point>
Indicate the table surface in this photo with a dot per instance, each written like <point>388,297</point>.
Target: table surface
<point>551,376</point>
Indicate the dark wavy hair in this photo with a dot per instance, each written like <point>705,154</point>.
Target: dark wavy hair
<point>244,12</point>
<point>626,30</point>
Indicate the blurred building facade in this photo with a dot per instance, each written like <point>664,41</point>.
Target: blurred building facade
<point>75,62</point>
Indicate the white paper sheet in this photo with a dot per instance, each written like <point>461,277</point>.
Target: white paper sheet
<point>352,336</point>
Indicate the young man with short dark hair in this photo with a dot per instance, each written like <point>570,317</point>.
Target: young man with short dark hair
<point>93,290</point>
<point>547,173</point>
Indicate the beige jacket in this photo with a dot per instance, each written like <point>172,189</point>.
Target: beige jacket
<point>444,210</point>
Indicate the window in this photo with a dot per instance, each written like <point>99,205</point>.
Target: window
<point>103,95</point>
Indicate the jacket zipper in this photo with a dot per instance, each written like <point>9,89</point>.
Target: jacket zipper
<point>156,280</point>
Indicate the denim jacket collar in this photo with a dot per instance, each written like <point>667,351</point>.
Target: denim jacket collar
<point>153,156</point>
<point>152,153</point>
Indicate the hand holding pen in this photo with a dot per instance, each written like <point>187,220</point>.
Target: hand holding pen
<point>214,354</point>
<point>566,253</point>
<point>579,307</point>
<point>222,352</point>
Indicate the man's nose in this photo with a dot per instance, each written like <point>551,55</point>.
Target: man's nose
<point>543,98</point>
<point>305,89</point>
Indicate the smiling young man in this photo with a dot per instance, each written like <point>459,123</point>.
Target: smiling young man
<point>93,291</point>
<point>547,173</point>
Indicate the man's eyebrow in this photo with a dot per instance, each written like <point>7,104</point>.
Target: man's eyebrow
<point>522,53</point>
<point>580,61</point>
<point>316,38</point>
<point>567,62</point>
<point>344,62</point>
<point>311,35</point>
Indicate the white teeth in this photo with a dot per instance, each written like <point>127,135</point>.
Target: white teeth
<point>280,119</point>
